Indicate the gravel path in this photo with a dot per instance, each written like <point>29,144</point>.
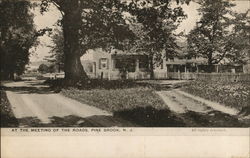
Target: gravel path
<point>182,102</point>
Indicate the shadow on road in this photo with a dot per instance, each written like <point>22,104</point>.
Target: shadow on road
<point>29,87</point>
<point>139,117</point>
<point>30,90</point>
<point>75,121</point>
<point>151,117</point>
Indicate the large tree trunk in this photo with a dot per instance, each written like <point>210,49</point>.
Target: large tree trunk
<point>12,76</point>
<point>71,25</point>
<point>8,75</point>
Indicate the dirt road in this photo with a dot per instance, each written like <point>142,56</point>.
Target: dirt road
<point>181,102</point>
<point>196,111</point>
<point>35,104</point>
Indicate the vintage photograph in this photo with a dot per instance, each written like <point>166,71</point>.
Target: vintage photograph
<point>125,63</point>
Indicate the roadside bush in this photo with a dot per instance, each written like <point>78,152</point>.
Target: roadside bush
<point>7,116</point>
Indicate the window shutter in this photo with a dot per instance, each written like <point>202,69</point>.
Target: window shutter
<point>100,63</point>
<point>107,63</point>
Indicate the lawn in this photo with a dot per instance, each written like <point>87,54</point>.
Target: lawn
<point>232,94</point>
<point>117,99</point>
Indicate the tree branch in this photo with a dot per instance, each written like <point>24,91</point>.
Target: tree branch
<point>56,4</point>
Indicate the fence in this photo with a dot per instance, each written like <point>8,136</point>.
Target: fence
<point>175,75</point>
<point>231,77</point>
<point>181,75</point>
<point>226,77</point>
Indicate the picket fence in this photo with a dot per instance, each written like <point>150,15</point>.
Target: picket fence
<point>227,77</point>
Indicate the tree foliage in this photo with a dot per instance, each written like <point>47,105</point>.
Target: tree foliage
<point>56,56</point>
<point>43,68</point>
<point>240,38</point>
<point>17,36</point>
<point>154,25</point>
<point>210,38</point>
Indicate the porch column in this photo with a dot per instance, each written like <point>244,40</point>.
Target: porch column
<point>186,76</point>
<point>110,68</point>
<point>137,69</point>
<point>197,67</point>
<point>94,69</point>
<point>165,69</point>
<point>179,73</point>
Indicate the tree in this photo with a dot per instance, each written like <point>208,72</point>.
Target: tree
<point>43,68</point>
<point>52,68</point>
<point>155,23</point>
<point>239,38</point>
<point>91,24</point>
<point>57,56</point>
<point>17,36</point>
<point>210,38</point>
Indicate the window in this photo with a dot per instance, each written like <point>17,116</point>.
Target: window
<point>161,65</point>
<point>125,64</point>
<point>170,68</point>
<point>118,63</point>
<point>89,67</point>
<point>170,59</point>
<point>143,62</point>
<point>103,63</point>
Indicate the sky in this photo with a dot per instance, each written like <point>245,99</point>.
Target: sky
<point>48,19</point>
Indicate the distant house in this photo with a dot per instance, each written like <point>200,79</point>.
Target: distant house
<point>116,65</point>
<point>199,65</point>
<point>246,67</point>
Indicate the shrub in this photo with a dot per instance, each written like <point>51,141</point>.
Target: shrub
<point>7,116</point>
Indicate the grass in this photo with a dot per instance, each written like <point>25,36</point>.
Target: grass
<point>232,94</point>
<point>7,117</point>
<point>117,99</point>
